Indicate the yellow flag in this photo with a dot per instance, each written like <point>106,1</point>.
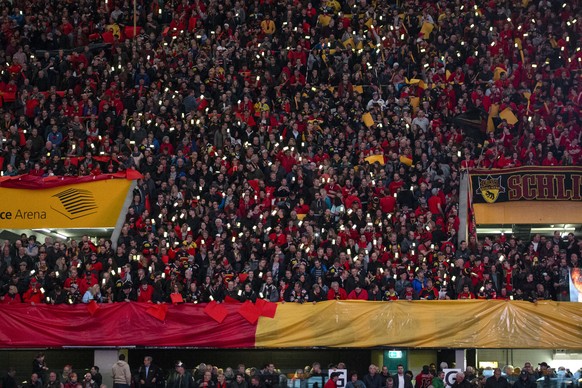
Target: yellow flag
<point>507,115</point>
<point>493,112</point>
<point>367,119</point>
<point>405,160</point>
<point>369,22</point>
<point>349,43</point>
<point>426,29</point>
<point>527,96</point>
<point>359,89</point>
<point>375,158</point>
<point>414,102</point>
<point>497,73</point>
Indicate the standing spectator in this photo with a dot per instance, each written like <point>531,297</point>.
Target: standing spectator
<point>239,381</point>
<point>332,381</point>
<point>497,381</point>
<point>9,380</point>
<point>148,373</point>
<point>439,380</point>
<point>39,367</point>
<point>96,375</point>
<point>270,377</point>
<point>373,378</point>
<point>384,374</point>
<point>461,382</point>
<point>180,378</point>
<point>355,382</point>
<point>401,380</point>
<point>424,378</point>
<point>121,373</point>
<point>524,381</point>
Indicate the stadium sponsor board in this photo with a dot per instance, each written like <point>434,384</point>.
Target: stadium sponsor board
<point>85,205</point>
<point>526,184</point>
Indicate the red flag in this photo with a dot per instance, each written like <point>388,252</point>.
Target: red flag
<point>158,311</point>
<point>216,311</point>
<point>92,307</point>
<point>249,312</point>
<point>254,183</point>
<point>243,277</point>
<point>266,308</point>
<point>176,298</point>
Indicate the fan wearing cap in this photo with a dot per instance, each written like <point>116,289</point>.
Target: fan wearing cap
<point>487,291</point>
<point>126,292</point>
<point>544,371</point>
<point>180,378</point>
<point>524,380</point>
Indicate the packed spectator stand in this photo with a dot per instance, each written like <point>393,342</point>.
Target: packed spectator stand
<point>290,151</point>
<point>180,375</point>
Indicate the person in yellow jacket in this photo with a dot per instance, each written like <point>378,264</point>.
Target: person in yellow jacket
<point>268,26</point>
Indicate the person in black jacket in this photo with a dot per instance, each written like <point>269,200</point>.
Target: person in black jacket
<point>9,381</point>
<point>96,375</point>
<point>39,367</point>
<point>524,381</point>
<point>497,381</point>
<point>373,378</point>
<point>461,382</point>
<point>148,374</point>
<point>401,380</point>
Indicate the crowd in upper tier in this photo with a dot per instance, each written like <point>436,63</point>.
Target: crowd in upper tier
<point>290,150</point>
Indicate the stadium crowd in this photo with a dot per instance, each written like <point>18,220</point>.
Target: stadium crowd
<point>292,151</point>
<point>149,375</point>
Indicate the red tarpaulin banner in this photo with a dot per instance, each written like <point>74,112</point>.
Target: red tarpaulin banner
<point>121,324</point>
<point>36,182</point>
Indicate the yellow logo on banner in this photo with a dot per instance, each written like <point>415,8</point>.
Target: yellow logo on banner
<point>84,205</point>
<point>75,203</point>
<point>490,188</point>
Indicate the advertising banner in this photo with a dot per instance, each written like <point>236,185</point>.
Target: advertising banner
<point>526,184</point>
<point>91,204</point>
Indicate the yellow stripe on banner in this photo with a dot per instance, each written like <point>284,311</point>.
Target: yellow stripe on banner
<point>424,324</point>
<point>85,205</point>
